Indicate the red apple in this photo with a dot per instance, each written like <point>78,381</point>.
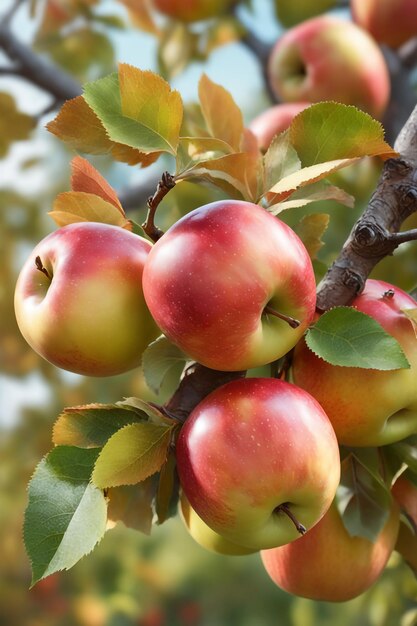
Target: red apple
<point>216,281</point>
<point>368,407</point>
<point>79,300</point>
<point>391,22</point>
<point>273,121</point>
<point>327,58</point>
<point>253,454</point>
<point>193,10</point>
<point>327,563</point>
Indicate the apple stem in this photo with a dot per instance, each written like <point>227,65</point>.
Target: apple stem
<point>285,508</point>
<point>166,183</point>
<point>286,318</point>
<point>40,266</point>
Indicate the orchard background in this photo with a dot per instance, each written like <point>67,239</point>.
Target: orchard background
<point>48,49</point>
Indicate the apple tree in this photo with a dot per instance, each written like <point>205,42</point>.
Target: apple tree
<point>281,366</point>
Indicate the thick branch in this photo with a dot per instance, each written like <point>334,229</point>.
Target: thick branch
<point>35,69</point>
<point>374,235</point>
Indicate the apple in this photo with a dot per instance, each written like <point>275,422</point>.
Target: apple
<point>258,461</point>
<point>273,121</point>
<point>79,300</point>
<point>367,407</point>
<point>390,22</point>
<point>328,58</point>
<point>290,13</point>
<point>405,493</point>
<point>327,563</point>
<point>206,536</point>
<point>231,285</point>
<point>193,10</point>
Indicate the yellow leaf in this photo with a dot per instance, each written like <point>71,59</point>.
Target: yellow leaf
<point>148,99</point>
<point>78,206</point>
<point>14,125</point>
<point>310,230</point>
<point>141,16</point>
<point>223,117</point>
<point>86,178</point>
<point>412,316</point>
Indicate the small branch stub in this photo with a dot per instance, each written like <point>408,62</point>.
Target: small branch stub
<point>166,183</point>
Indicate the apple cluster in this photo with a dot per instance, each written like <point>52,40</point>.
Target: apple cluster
<point>258,459</point>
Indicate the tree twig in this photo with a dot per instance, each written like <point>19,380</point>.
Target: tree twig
<point>166,183</point>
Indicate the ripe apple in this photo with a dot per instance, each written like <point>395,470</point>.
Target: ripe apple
<point>206,536</point>
<point>258,461</point>
<point>367,407</point>
<point>220,279</point>
<point>328,58</point>
<point>79,300</point>
<point>273,121</point>
<point>290,13</point>
<point>193,10</point>
<point>327,563</point>
<point>405,493</point>
<point>391,22</point>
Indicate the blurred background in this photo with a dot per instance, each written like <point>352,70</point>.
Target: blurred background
<point>164,579</point>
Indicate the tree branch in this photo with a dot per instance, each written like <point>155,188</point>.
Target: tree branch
<point>35,69</point>
<point>375,235</point>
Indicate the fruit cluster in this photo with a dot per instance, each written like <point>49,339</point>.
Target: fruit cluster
<point>258,459</point>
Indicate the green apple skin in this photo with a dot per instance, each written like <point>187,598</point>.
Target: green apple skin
<point>89,315</point>
<point>291,13</point>
<point>274,121</point>
<point>390,22</point>
<point>250,446</point>
<point>367,407</point>
<point>327,58</point>
<point>205,536</point>
<point>193,10</point>
<point>327,563</point>
<point>209,278</point>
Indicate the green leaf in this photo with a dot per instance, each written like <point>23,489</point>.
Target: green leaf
<point>329,130</point>
<point>132,505</point>
<point>166,501</point>
<point>347,337</point>
<point>154,413</point>
<point>372,460</point>
<point>66,515</point>
<point>160,361</point>
<point>92,425</point>
<point>362,501</point>
<point>137,109</point>
<point>132,454</point>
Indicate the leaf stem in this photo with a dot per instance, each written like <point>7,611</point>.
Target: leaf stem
<point>166,183</point>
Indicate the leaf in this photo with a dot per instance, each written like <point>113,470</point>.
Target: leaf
<point>78,206</point>
<point>141,15</point>
<point>161,359</point>
<point>193,150</point>
<point>66,514</point>
<point>166,501</point>
<point>86,178</point>
<point>406,451</point>
<point>310,230</point>
<point>362,501</point>
<point>236,173</point>
<point>330,131</point>
<point>137,109</point>
<point>81,129</point>
<point>347,337</point>
<point>132,454</point>
<point>91,425</point>
<point>132,505</point>
<point>373,462</point>
<point>177,47</point>
<point>152,411</point>
<point>14,125</point>
<point>407,546</point>
<point>222,32</point>
<point>222,115</point>
<point>321,190</point>
<point>286,186</point>
<point>281,160</point>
